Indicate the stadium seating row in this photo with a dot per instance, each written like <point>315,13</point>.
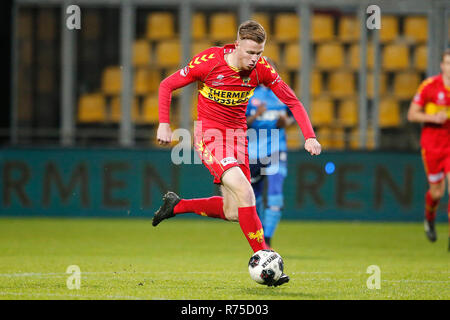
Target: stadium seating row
<point>279,26</point>
<point>94,108</point>
<point>323,115</point>
<point>222,26</point>
<point>327,56</point>
<point>97,108</point>
<point>339,84</point>
<point>150,57</point>
<point>336,138</point>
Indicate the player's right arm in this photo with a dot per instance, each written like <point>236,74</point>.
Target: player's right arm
<point>416,112</point>
<point>168,85</point>
<point>179,79</point>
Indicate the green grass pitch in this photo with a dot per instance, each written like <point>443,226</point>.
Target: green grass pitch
<point>207,259</point>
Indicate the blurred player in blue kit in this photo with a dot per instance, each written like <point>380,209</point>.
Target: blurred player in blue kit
<point>267,117</point>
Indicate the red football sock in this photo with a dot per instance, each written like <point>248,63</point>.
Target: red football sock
<point>209,207</point>
<point>430,207</point>
<point>252,228</point>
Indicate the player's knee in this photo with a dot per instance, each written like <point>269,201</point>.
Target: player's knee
<point>230,209</point>
<point>246,196</point>
<point>437,191</point>
<point>230,212</point>
<point>232,215</point>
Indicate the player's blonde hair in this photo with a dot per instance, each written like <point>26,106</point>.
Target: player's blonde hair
<point>445,53</point>
<point>251,30</point>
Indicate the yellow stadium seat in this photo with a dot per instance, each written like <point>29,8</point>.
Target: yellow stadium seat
<point>194,106</point>
<point>141,53</point>
<point>294,138</point>
<point>370,139</point>
<point>406,84</point>
<point>341,84</point>
<point>116,110</point>
<point>198,26</point>
<point>150,109</point>
<point>168,53</point>
<point>112,80</point>
<point>25,21</point>
<point>26,53</point>
<point>322,111</point>
<point>421,57</point>
<point>389,28</point>
<point>338,138</point>
<point>46,25</point>
<point>322,27</point>
<point>416,28</point>
<point>91,28</point>
<point>292,56</point>
<point>382,86</point>
<point>348,29</point>
<point>263,19</point>
<point>348,113</point>
<point>353,57</point>
<point>146,80</point>
<point>316,83</point>
<point>92,108</point>
<point>389,113</point>
<point>331,138</point>
<point>199,46</point>
<point>271,50</point>
<point>160,25</point>
<point>329,55</point>
<point>223,26</point>
<point>286,27</point>
<point>45,80</point>
<point>324,136</point>
<point>395,57</point>
<point>25,111</point>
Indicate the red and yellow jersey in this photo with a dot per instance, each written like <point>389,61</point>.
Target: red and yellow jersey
<point>434,97</point>
<point>224,91</point>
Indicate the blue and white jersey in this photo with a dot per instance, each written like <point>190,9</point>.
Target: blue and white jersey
<point>260,142</point>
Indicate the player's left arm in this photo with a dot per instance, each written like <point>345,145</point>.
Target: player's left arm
<point>287,96</point>
<point>271,79</point>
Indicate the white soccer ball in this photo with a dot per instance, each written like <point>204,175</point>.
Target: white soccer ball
<point>265,266</point>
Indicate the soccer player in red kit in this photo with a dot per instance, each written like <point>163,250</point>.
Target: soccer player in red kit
<point>227,77</point>
<point>431,106</point>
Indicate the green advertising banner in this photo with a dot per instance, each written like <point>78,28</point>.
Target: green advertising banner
<point>131,182</point>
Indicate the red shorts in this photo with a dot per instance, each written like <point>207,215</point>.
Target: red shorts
<point>221,149</point>
<point>437,165</point>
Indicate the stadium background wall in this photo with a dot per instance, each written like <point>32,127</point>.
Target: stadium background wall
<point>130,183</point>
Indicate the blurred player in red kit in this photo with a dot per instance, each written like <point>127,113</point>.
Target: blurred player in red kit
<point>227,77</point>
<point>431,106</point>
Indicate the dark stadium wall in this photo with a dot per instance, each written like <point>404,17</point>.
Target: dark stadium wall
<point>5,69</point>
<point>130,183</point>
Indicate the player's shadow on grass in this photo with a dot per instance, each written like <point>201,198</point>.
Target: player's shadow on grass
<point>277,293</point>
